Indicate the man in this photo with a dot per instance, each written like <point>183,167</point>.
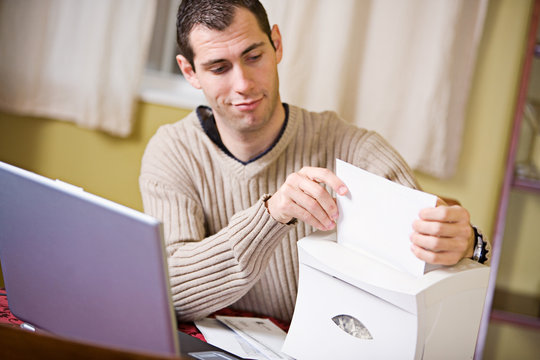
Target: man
<point>236,184</point>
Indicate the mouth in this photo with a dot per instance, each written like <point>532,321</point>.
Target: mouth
<point>247,105</point>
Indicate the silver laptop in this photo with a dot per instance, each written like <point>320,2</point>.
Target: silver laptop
<point>86,268</point>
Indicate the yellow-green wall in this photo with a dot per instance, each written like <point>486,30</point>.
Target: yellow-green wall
<point>109,166</point>
<point>104,165</point>
<point>490,114</point>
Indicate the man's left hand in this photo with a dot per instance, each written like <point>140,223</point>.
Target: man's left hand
<point>443,234</point>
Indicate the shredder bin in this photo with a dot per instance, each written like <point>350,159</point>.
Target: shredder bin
<point>351,306</point>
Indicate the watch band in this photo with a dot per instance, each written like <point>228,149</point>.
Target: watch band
<point>480,246</point>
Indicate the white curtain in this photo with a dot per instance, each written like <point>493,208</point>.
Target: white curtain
<point>74,60</point>
<point>402,68</point>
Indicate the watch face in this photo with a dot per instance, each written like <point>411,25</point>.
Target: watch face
<point>480,247</point>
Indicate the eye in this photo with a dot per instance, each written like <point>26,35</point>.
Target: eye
<point>218,69</point>
<point>254,57</point>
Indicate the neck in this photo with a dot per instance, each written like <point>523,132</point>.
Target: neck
<point>246,145</point>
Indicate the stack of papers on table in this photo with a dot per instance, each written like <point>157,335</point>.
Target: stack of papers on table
<point>246,337</point>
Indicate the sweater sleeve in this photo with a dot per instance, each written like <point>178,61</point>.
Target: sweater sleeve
<point>206,273</point>
<point>377,156</point>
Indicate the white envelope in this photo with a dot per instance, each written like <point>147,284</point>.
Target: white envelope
<point>376,217</point>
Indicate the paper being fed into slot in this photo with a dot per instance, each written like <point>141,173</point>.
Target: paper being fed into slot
<point>376,217</point>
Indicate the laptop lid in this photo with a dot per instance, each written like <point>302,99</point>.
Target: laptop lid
<point>83,267</point>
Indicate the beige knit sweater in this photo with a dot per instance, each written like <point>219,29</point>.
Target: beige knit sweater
<point>223,247</point>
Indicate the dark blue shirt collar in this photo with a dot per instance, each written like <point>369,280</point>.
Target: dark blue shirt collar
<point>208,123</point>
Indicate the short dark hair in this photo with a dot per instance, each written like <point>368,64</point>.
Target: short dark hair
<point>214,15</point>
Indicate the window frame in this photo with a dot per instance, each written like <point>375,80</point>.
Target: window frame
<point>161,81</point>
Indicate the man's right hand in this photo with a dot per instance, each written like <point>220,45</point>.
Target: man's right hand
<point>302,197</point>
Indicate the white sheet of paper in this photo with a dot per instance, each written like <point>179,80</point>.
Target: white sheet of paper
<point>220,335</point>
<point>262,334</point>
<point>376,216</point>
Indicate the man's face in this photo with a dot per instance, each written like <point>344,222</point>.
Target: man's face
<point>237,71</point>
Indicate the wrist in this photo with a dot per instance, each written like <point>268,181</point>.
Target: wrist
<point>470,244</point>
<point>268,203</point>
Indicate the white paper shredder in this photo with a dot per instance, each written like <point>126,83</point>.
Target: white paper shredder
<point>350,306</point>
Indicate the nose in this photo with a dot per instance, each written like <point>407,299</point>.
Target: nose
<point>243,80</point>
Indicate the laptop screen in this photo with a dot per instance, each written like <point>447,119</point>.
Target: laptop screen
<point>83,267</point>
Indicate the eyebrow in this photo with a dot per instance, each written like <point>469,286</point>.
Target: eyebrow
<point>247,50</point>
<point>252,47</point>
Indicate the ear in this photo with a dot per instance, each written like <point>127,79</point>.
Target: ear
<point>188,71</point>
<point>276,39</point>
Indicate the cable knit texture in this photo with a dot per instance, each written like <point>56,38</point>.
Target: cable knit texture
<point>224,249</point>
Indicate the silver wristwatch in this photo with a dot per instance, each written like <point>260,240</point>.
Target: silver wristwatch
<point>480,246</point>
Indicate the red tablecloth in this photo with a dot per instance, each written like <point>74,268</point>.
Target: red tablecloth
<point>6,317</point>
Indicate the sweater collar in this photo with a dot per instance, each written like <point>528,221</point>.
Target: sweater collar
<point>208,123</point>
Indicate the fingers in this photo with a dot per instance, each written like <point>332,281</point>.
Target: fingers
<point>442,235</point>
<point>302,197</point>
<point>320,175</point>
<point>445,214</point>
<point>442,229</point>
<point>438,250</point>
<point>314,206</point>
<point>314,191</point>
<point>431,257</point>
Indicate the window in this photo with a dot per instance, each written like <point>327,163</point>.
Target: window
<point>162,81</point>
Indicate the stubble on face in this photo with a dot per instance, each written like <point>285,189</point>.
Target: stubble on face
<point>237,70</point>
